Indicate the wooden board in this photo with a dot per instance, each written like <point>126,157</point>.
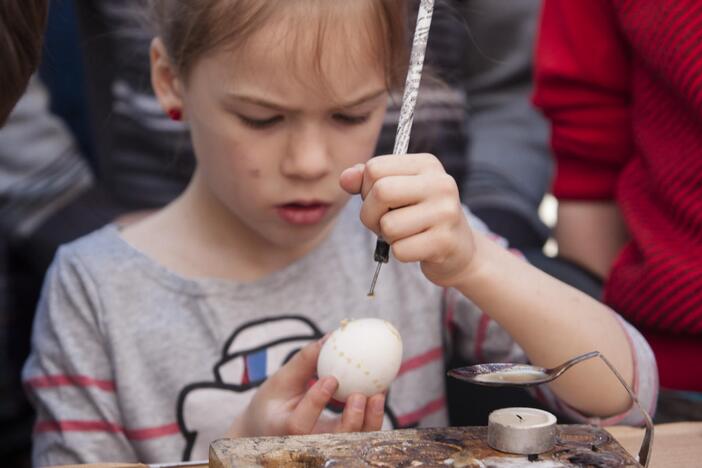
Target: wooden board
<point>674,445</point>
<point>577,445</point>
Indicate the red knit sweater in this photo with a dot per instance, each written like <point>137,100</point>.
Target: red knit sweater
<point>621,81</point>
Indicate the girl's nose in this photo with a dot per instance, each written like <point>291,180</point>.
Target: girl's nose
<point>308,154</point>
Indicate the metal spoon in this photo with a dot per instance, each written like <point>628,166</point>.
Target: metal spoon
<point>525,375</point>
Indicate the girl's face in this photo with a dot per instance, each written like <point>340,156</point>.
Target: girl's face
<point>273,129</point>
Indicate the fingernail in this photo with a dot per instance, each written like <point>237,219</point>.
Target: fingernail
<point>357,402</point>
<point>359,167</point>
<point>329,385</point>
<point>378,405</point>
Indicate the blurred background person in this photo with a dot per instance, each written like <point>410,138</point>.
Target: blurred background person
<point>21,33</point>
<point>620,83</point>
<point>22,25</point>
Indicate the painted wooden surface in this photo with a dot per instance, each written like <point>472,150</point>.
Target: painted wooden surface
<point>577,445</point>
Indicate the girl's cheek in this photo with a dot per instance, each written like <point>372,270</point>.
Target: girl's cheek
<point>247,164</point>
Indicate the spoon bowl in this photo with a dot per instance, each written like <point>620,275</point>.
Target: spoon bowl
<point>499,374</point>
<point>503,374</point>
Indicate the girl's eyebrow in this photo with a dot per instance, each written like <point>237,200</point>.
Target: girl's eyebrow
<point>277,107</point>
<point>363,99</point>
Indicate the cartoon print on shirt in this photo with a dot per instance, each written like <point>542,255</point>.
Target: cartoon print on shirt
<point>254,351</point>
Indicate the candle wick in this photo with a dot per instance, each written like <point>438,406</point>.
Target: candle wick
<point>520,418</point>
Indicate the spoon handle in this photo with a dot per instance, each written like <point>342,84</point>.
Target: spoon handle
<point>647,443</point>
<point>557,371</point>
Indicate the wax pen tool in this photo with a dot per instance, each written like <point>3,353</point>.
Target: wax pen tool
<point>409,100</point>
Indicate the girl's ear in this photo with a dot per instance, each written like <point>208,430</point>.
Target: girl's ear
<point>164,79</point>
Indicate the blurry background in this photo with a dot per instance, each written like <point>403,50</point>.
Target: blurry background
<point>62,73</point>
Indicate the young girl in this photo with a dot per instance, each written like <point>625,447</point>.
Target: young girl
<point>154,339</point>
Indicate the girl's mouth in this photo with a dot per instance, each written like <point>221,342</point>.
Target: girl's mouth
<point>303,213</point>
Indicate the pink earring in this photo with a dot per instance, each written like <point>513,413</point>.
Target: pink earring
<point>175,114</point>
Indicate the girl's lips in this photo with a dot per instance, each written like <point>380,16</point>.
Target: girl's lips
<point>303,214</point>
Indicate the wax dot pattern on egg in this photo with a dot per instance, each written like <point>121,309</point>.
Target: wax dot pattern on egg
<point>364,355</point>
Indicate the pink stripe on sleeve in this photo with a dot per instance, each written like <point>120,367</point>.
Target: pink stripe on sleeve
<point>50,381</point>
<point>426,410</point>
<point>152,432</point>
<point>421,360</point>
<point>106,426</point>
<point>76,426</point>
<point>480,335</point>
<point>449,303</point>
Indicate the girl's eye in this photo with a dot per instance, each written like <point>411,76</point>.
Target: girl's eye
<point>351,119</point>
<point>260,123</point>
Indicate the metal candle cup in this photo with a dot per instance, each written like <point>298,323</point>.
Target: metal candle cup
<point>523,431</point>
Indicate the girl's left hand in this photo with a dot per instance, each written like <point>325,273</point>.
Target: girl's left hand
<point>414,205</point>
<point>285,404</point>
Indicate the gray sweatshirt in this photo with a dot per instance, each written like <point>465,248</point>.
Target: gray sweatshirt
<point>132,362</point>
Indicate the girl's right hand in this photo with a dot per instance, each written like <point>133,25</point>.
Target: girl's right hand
<point>286,405</point>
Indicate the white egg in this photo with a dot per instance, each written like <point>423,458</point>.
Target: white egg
<point>364,355</point>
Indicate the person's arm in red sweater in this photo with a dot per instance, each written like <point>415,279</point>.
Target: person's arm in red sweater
<point>590,233</point>
<point>583,87</point>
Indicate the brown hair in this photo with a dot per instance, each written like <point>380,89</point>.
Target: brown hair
<point>22,25</point>
<point>191,29</point>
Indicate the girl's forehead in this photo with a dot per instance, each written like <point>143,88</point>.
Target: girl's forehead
<point>281,58</point>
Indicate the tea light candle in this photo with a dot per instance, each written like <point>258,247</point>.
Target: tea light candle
<point>523,431</point>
